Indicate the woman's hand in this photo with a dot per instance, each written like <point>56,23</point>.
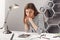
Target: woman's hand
<point>30,19</point>
<point>26,19</point>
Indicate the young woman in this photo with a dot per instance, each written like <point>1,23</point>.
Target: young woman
<point>31,18</point>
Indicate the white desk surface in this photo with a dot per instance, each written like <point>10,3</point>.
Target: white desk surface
<point>17,33</point>
<point>33,36</point>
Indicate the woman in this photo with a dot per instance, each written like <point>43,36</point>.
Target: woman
<point>31,17</point>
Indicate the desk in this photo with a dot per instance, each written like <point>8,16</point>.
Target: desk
<point>33,36</point>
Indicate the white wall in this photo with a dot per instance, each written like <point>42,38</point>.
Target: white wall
<point>15,19</point>
<point>2,12</point>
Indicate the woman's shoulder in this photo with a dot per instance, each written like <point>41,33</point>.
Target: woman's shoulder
<point>39,16</point>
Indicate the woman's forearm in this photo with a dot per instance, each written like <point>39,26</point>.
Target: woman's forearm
<point>26,27</point>
<point>34,25</point>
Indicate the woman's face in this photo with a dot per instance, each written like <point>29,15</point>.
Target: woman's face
<point>30,12</point>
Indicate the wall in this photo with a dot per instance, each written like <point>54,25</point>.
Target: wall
<point>2,12</point>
